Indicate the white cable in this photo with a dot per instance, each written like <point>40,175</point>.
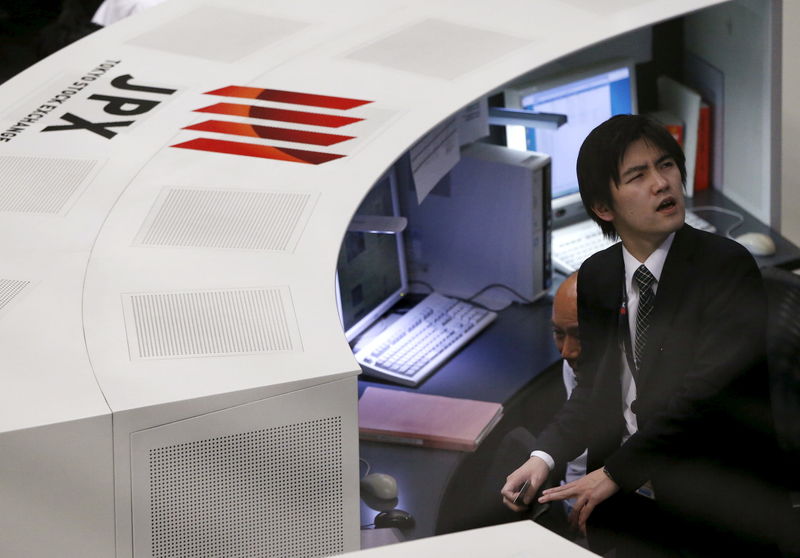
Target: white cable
<point>365,462</point>
<point>730,212</point>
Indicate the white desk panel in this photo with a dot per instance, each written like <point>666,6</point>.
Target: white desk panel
<point>416,62</point>
<point>46,374</point>
<point>523,539</point>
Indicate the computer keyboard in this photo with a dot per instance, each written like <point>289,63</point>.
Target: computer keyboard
<point>574,243</point>
<point>415,345</point>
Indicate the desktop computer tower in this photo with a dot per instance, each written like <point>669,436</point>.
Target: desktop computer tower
<point>487,221</point>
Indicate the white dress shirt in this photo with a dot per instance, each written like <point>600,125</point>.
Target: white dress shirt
<point>655,264</point>
<point>577,467</point>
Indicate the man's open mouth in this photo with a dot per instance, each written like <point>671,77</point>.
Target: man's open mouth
<point>667,203</point>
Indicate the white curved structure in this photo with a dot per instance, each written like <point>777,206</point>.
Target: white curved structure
<point>167,305</point>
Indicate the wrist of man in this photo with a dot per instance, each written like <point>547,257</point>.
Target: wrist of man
<point>544,456</point>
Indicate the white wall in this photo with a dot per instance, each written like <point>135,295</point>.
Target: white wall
<point>635,45</point>
<point>790,168</point>
<point>735,38</point>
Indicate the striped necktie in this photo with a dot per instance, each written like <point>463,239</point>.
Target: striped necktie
<point>644,279</point>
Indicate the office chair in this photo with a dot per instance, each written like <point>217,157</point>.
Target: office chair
<point>783,349</point>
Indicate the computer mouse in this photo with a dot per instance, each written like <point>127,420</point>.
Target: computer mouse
<point>758,244</point>
<point>379,485</point>
<point>394,518</point>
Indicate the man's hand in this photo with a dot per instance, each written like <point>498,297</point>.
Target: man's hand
<point>534,470</point>
<point>588,491</point>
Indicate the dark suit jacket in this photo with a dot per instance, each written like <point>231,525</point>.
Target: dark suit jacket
<point>702,402</point>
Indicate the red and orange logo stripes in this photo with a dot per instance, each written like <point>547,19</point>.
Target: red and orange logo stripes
<point>264,151</point>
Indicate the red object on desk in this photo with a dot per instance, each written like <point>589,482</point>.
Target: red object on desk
<point>435,421</point>
<point>702,169</point>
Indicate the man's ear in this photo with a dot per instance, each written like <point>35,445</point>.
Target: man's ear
<point>603,212</point>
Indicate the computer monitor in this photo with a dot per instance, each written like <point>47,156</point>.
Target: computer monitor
<point>371,272</point>
<point>588,97</point>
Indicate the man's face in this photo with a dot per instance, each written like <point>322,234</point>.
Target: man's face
<point>648,202</point>
<point>565,323</point>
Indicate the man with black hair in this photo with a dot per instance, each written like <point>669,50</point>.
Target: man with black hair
<point>672,399</point>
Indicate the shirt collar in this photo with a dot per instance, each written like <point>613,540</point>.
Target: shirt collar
<point>654,262</point>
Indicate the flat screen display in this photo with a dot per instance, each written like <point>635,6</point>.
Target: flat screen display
<point>371,271</point>
<point>588,98</point>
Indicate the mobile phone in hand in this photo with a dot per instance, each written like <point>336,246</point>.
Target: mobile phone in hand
<point>518,500</point>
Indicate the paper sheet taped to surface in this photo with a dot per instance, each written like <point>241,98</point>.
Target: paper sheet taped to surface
<point>433,156</point>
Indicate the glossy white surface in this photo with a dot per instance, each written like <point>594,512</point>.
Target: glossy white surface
<point>65,343</point>
<point>523,539</point>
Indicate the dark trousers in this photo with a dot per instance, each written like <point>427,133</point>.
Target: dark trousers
<point>724,516</point>
<point>633,526</point>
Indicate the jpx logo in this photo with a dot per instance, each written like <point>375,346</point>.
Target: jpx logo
<point>263,120</point>
<point>115,105</point>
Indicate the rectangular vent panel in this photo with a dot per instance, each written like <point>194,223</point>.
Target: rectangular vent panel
<point>210,323</point>
<point>419,49</point>
<point>605,8</point>
<point>40,184</point>
<point>226,219</point>
<point>270,492</point>
<point>217,34</point>
<point>10,288</point>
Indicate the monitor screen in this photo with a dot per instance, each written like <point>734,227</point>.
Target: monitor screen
<point>371,271</point>
<point>588,97</point>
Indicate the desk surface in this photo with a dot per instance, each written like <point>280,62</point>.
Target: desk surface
<point>787,255</point>
<point>498,364</point>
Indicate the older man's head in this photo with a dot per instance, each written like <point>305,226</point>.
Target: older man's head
<point>565,320</point>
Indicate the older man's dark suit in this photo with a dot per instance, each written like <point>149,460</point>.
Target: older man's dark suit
<point>705,436</point>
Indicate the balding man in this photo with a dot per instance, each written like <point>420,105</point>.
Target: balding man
<point>568,343</point>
